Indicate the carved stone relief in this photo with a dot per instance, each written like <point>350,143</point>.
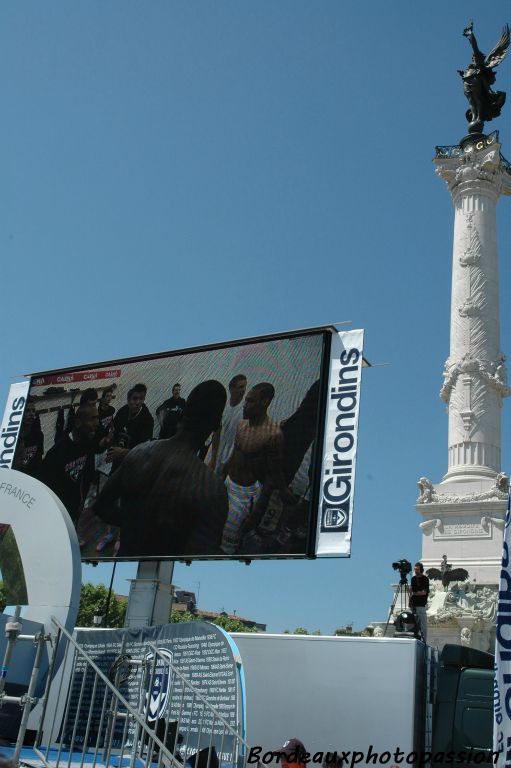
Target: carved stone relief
<point>428,494</point>
<point>492,372</point>
<point>463,601</point>
<point>482,166</point>
<point>471,245</point>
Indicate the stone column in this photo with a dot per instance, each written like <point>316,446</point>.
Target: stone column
<point>463,516</point>
<point>475,379</point>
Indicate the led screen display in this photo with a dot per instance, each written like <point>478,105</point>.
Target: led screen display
<point>212,452</point>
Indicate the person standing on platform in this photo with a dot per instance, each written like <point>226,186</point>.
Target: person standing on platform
<point>419,597</point>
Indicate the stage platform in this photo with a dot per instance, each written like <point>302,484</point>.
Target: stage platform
<point>29,757</point>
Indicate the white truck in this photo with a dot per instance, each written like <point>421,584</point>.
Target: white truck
<point>374,701</point>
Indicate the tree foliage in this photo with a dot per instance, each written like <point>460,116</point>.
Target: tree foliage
<point>226,622</point>
<point>176,617</point>
<point>93,600</point>
<point>11,568</point>
<point>346,632</point>
<point>232,624</point>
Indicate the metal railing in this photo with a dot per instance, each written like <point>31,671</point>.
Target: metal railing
<point>28,699</point>
<point>97,725</point>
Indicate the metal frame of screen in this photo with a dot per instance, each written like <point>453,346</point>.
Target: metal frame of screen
<point>308,550</point>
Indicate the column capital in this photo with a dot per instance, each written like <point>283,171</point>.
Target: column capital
<point>474,167</point>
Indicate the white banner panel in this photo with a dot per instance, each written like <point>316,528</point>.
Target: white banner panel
<point>11,422</point>
<point>48,546</point>
<point>502,684</point>
<point>333,536</point>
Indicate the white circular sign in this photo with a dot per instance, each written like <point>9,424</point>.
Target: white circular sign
<point>48,546</point>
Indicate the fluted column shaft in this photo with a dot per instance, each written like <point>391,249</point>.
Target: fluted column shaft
<point>475,378</point>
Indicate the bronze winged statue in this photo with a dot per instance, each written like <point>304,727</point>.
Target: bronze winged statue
<point>478,77</point>
<point>447,573</point>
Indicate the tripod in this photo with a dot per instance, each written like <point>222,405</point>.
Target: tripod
<point>402,594</point>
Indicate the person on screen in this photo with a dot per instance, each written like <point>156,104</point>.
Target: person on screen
<point>223,438</point>
<point>30,448</point>
<point>132,425</point>
<point>103,440</point>
<point>170,413</point>
<point>65,427</point>
<point>89,396</point>
<point>165,500</point>
<point>298,433</point>
<point>106,413</point>
<point>68,467</point>
<point>255,462</point>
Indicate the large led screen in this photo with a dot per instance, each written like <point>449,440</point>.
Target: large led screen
<point>205,453</point>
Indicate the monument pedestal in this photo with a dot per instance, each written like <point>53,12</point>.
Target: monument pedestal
<point>464,521</point>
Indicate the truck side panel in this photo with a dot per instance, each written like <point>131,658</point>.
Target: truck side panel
<point>463,718</point>
<point>334,693</point>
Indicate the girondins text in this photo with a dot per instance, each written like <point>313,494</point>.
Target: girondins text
<point>9,435</point>
<point>338,473</point>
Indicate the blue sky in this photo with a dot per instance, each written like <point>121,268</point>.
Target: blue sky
<point>178,173</point>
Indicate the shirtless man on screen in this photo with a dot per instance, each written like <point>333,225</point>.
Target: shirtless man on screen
<point>165,500</point>
<point>255,462</point>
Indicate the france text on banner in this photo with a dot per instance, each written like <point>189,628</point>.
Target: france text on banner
<point>11,422</point>
<point>502,683</point>
<point>333,535</point>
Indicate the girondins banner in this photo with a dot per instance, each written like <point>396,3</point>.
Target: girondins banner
<point>200,651</point>
<point>340,446</point>
<point>11,422</point>
<point>242,450</point>
<point>502,684</point>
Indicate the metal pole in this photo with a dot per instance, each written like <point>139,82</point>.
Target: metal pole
<point>12,630</point>
<point>105,617</point>
<point>29,696</point>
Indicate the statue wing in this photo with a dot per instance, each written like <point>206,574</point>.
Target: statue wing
<point>457,574</point>
<point>500,50</point>
<point>434,573</point>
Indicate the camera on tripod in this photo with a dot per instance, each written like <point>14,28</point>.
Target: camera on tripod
<point>405,620</point>
<point>404,567</point>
